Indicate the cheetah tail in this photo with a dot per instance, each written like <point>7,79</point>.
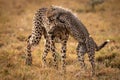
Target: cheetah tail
<point>102,45</point>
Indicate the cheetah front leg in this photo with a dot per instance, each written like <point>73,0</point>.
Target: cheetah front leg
<point>47,49</point>
<point>63,55</point>
<point>54,54</point>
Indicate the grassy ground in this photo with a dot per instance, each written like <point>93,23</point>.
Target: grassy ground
<point>16,23</point>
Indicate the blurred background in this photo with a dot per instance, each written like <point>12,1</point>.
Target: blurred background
<point>101,18</point>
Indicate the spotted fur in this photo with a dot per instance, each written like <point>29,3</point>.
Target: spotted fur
<point>39,24</point>
<point>77,30</point>
<point>41,27</point>
<point>56,24</point>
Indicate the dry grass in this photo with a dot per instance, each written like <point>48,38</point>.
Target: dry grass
<point>16,23</point>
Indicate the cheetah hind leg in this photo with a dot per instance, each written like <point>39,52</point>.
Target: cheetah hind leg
<point>32,41</point>
<point>47,49</point>
<point>81,50</point>
<point>28,55</point>
<point>91,59</point>
<point>82,64</point>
